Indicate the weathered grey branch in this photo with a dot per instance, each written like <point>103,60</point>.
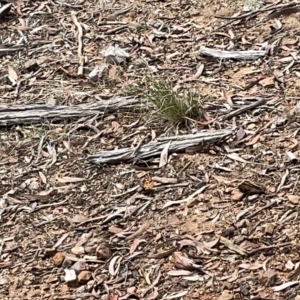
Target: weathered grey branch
<point>243,109</point>
<point>246,55</point>
<point>30,114</point>
<point>155,147</point>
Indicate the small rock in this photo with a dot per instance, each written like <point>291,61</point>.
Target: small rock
<point>69,260</point>
<point>226,295</point>
<point>244,289</point>
<point>3,281</point>
<point>58,259</point>
<point>89,249</point>
<point>103,252</point>
<point>289,265</point>
<point>49,252</point>
<point>79,266</point>
<point>31,64</point>
<point>294,199</point>
<point>228,231</point>
<point>268,278</point>
<point>70,277</point>
<point>84,277</point>
<point>236,195</point>
<point>251,126</point>
<point>269,229</point>
<point>227,286</point>
<point>244,231</point>
<point>77,250</point>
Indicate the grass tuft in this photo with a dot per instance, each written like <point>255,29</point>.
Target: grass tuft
<point>175,107</point>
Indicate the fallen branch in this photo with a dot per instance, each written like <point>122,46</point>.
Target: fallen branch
<point>243,109</point>
<point>155,147</point>
<point>257,11</point>
<point>10,49</point>
<point>245,55</point>
<point>30,114</point>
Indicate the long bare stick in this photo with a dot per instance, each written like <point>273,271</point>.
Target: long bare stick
<point>80,47</point>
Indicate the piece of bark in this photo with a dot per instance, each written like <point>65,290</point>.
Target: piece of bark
<point>222,54</point>
<point>32,114</point>
<point>154,148</point>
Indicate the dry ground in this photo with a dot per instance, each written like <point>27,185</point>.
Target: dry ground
<point>61,215</point>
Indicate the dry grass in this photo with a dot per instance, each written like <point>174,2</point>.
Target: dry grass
<point>174,106</point>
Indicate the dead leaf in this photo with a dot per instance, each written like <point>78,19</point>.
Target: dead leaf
<point>67,179</point>
<point>230,245</point>
<point>78,219</point>
<point>113,270</point>
<point>185,263</point>
<point>43,177</point>
<point>240,134</point>
<point>249,188</point>
<point>269,81</point>
<point>284,286</point>
<point>135,244</point>
<point>254,140</point>
<point>164,155</point>
<point>254,266</point>
<point>234,156</point>
<point>221,179</point>
<point>142,229</point>
<point>12,74</point>
<point>179,273</point>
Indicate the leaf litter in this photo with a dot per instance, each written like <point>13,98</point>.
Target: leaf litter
<point>211,221</point>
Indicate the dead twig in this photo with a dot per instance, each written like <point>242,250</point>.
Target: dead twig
<point>265,248</point>
<point>243,109</point>
<point>31,114</point>
<point>80,47</point>
<point>222,54</point>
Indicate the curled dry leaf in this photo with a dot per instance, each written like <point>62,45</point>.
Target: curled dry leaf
<point>114,265</point>
<point>185,263</point>
<point>254,266</point>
